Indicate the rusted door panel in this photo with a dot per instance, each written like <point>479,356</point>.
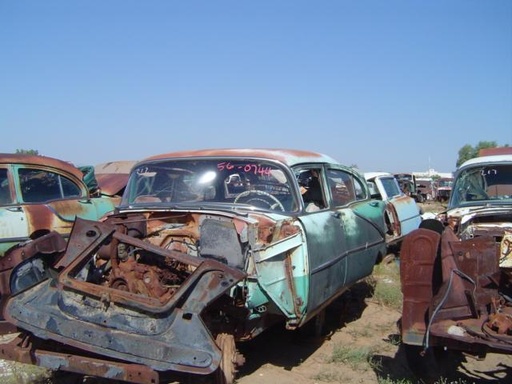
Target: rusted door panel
<point>479,259</point>
<point>417,258</point>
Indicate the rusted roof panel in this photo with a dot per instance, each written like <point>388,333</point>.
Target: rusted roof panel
<point>123,166</point>
<point>112,183</point>
<point>495,151</point>
<point>286,156</point>
<point>16,158</point>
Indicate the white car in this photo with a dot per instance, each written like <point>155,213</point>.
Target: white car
<point>403,214</point>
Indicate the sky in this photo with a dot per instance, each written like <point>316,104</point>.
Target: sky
<point>397,85</point>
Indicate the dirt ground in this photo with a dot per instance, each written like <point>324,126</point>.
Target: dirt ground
<point>362,324</point>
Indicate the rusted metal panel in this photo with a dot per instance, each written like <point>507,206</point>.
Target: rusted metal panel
<point>154,330</point>
<point>25,349</point>
<point>495,151</point>
<point>286,156</point>
<point>118,167</point>
<point>48,247</point>
<point>112,183</point>
<point>14,158</point>
<point>417,258</point>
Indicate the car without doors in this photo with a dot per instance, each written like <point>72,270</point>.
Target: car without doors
<point>207,249</point>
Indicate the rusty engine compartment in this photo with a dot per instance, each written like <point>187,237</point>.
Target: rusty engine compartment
<point>145,277</point>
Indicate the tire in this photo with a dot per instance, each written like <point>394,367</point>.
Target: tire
<point>230,359</point>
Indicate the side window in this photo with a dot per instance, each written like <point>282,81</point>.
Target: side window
<point>69,188</point>
<point>345,188</point>
<point>374,192</point>
<point>5,191</point>
<point>359,189</point>
<point>312,188</point>
<point>39,185</point>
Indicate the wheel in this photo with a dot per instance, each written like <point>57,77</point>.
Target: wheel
<point>230,360</point>
<point>272,204</point>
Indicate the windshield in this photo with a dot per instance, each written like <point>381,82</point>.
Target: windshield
<point>484,184</point>
<point>443,183</point>
<point>256,183</point>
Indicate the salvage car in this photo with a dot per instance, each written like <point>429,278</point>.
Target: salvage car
<point>206,250</point>
<point>443,188</point>
<point>456,272</point>
<point>112,177</point>
<point>409,186</point>
<point>39,194</point>
<point>402,215</point>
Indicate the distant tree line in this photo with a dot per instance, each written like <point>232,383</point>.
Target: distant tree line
<point>468,152</point>
<point>28,152</point>
<point>465,153</point>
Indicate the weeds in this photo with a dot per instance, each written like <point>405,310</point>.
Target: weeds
<point>328,377</point>
<point>388,290</point>
<point>356,358</point>
<point>388,380</point>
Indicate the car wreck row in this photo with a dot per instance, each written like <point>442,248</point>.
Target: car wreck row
<point>206,250</point>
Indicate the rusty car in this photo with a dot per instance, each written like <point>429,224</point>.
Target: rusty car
<point>443,188</point>
<point>456,272</point>
<point>409,186</point>
<point>113,176</point>
<point>402,215</point>
<point>39,194</point>
<point>206,250</point>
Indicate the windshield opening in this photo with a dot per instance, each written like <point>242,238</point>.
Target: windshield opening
<point>260,184</point>
<point>483,184</point>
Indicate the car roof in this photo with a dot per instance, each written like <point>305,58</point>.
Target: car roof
<point>371,175</point>
<point>289,157</point>
<point>18,158</point>
<point>493,159</point>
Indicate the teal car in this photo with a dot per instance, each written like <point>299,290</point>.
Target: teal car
<point>40,194</point>
<point>206,250</point>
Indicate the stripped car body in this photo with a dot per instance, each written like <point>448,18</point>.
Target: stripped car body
<point>402,212</point>
<point>39,194</point>
<point>196,260</point>
<point>457,273</point>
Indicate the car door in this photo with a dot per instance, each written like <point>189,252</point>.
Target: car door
<point>362,221</point>
<point>13,226</point>
<point>402,208</point>
<point>326,239</point>
<point>345,238</point>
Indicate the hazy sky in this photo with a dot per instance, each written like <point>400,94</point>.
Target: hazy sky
<point>391,85</point>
